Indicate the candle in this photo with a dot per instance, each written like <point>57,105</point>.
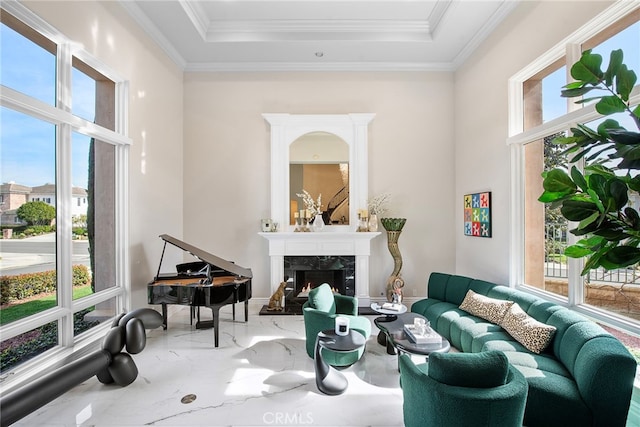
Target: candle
<point>307,213</point>
<point>302,213</point>
<point>296,215</point>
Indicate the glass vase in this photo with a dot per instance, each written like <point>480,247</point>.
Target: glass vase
<point>318,223</point>
<point>373,222</point>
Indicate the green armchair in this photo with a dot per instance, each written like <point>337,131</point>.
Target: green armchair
<point>462,390</point>
<point>320,312</point>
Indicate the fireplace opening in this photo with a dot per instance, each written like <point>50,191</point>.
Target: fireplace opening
<point>305,280</point>
<point>304,273</point>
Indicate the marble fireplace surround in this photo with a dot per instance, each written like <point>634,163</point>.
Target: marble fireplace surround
<point>331,243</point>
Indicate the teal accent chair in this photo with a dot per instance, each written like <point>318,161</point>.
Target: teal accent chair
<point>462,390</point>
<point>320,312</point>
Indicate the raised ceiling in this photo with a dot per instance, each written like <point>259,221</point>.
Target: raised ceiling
<point>325,35</point>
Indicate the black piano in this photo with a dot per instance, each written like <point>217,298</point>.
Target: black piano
<point>210,282</point>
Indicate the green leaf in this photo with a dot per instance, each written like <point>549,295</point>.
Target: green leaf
<point>634,183</point>
<point>557,181</point>
<point>576,210</point>
<point>588,220</point>
<point>551,197</point>
<point>578,91</point>
<point>619,193</point>
<point>575,251</point>
<point>587,131</point>
<point>610,105</point>
<point>615,61</point>
<point>630,163</point>
<point>594,260</point>
<point>633,219</point>
<point>598,184</point>
<point>578,179</point>
<point>587,69</point>
<point>573,85</point>
<point>612,234</point>
<point>623,256</point>
<point>625,137</point>
<point>607,125</point>
<point>565,140</point>
<point>593,197</point>
<point>625,80</point>
<point>636,111</point>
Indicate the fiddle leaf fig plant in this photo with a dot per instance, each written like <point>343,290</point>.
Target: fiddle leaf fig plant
<point>597,199</point>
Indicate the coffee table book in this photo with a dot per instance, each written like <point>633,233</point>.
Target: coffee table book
<point>431,337</point>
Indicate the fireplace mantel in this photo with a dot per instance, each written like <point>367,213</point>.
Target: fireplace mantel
<point>353,243</point>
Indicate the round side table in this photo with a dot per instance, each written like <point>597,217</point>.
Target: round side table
<point>328,379</point>
<point>389,316</point>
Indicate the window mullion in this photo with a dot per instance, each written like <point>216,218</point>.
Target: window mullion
<point>64,197</point>
<point>575,265</point>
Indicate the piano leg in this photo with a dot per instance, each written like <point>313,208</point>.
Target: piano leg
<point>164,316</point>
<point>233,309</point>
<point>207,324</point>
<point>246,310</point>
<point>216,321</point>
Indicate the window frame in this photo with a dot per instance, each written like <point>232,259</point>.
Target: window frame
<point>571,49</point>
<point>66,123</point>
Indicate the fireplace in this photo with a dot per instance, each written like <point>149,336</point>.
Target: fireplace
<point>326,252</point>
<point>304,273</point>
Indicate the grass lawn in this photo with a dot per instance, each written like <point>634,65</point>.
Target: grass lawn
<point>27,308</point>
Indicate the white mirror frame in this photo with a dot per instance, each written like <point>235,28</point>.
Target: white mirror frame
<point>286,128</point>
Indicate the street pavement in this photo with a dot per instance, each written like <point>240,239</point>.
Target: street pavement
<point>33,254</point>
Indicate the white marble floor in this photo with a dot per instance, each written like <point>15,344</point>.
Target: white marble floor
<point>260,375</point>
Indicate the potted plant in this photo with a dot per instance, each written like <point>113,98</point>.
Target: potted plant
<point>598,198</point>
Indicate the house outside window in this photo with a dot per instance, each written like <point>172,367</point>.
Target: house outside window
<point>538,114</point>
<point>62,138</point>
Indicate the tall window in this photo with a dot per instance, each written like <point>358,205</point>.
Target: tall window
<point>61,148</point>
<point>538,115</point>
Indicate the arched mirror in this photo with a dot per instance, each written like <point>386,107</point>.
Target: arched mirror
<point>296,140</point>
<point>319,164</point>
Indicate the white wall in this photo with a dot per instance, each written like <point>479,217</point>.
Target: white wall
<point>411,156</point>
<point>155,123</point>
<point>481,114</point>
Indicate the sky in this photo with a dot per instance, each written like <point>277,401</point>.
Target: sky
<point>627,40</point>
<point>27,145</point>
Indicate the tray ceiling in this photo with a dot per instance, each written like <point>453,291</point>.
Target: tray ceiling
<point>326,35</point>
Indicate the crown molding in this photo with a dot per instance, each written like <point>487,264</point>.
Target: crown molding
<point>498,16</point>
<point>315,67</point>
<point>318,29</point>
<point>141,19</point>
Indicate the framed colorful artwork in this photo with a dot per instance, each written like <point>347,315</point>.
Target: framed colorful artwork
<point>477,214</point>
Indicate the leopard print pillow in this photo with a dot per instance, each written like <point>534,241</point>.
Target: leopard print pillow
<point>534,335</point>
<point>490,309</point>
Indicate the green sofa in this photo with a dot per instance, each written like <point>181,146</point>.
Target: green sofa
<point>583,378</point>
<point>320,312</point>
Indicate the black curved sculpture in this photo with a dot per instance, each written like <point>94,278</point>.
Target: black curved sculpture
<point>110,365</point>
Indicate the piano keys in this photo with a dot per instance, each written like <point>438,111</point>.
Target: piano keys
<point>211,282</point>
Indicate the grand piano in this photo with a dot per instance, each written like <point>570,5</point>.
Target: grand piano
<point>210,282</point>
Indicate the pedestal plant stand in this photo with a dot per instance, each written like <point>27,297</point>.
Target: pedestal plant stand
<point>395,283</point>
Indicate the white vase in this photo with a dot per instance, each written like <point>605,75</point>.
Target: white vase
<point>318,223</point>
<point>373,222</point>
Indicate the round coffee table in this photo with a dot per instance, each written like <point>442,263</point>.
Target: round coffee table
<point>328,379</point>
<point>398,340</point>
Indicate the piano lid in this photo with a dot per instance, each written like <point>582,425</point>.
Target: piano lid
<point>209,258</point>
